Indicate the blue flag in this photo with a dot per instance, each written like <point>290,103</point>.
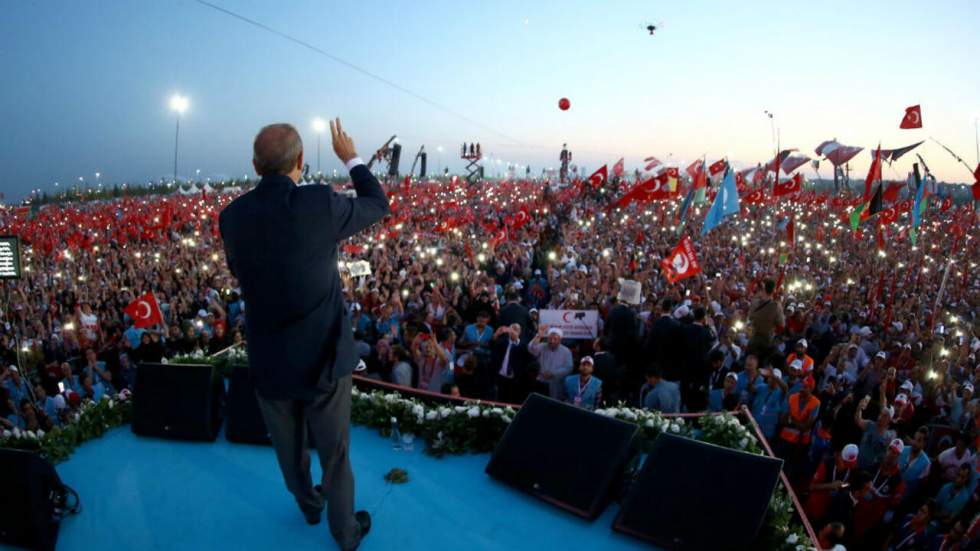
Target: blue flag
<point>725,204</point>
<point>917,207</point>
<point>685,206</point>
<point>729,193</point>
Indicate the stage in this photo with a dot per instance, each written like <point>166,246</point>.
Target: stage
<point>146,493</point>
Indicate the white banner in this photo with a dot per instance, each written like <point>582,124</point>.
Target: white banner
<point>359,268</point>
<point>630,291</point>
<point>574,324</point>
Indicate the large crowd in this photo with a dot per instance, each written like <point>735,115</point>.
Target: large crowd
<point>855,351</point>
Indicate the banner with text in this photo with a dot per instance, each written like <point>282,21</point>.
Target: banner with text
<point>574,324</point>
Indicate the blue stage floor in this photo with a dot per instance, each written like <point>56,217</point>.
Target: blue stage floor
<point>144,493</point>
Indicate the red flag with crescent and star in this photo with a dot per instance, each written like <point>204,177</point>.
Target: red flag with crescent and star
<point>787,187</point>
<point>682,262</point>
<point>598,177</point>
<point>145,311</point>
<point>618,168</point>
<point>912,118</point>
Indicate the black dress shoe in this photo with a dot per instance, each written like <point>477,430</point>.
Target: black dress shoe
<point>313,517</point>
<point>363,519</point>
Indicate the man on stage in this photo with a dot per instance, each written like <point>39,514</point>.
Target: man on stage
<point>281,244</point>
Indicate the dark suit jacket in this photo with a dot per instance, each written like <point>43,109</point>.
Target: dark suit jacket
<point>513,312</point>
<point>519,357</point>
<point>281,244</point>
<point>664,345</point>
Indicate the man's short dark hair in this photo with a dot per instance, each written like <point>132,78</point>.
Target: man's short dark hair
<point>512,294</point>
<point>770,286</point>
<point>276,149</point>
<point>699,313</point>
<point>667,305</point>
<point>654,371</point>
<point>716,356</point>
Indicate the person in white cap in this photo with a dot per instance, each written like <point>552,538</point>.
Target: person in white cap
<point>770,404</point>
<point>887,490</point>
<point>554,359</point>
<point>727,397</point>
<point>959,403</point>
<point>16,385</point>
<point>832,475</point>
<point>799,353</point>
<point>584,390</point>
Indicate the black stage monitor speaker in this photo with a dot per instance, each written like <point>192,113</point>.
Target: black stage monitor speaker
<point>245,424</point>
<point>567,456</point>
<point>178,401</point>
<point>32,500</point>
<point>693,495</point>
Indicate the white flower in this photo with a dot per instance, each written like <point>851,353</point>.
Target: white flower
<point>650,423</point>
<point>445,412</point>
<point>77,417</point>
<point>460,409</point>
<point>431,415</point>
<point>743,443</point>
<point>111,403</point>
<point>394,420</point>
<point>497,411</point>
<point>792,539</point>
<point>612,412</point>
<point>680,421</point>
<point>106,397</point>
<point>390,398</point>
<point>486,413</point>
<point>124,395</point>
<point>628,413</point>
<point>164,361</point>
<point>473,412</point>
<point>675,428</point>
<point>418,410</point>
<point>17,432</point>
<point>7,434</point>
<point>31,435</point>
<point>40,434</point>
<point>507,418</point>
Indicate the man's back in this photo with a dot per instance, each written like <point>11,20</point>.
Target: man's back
<point>281,244</point>
<point>664,346</point>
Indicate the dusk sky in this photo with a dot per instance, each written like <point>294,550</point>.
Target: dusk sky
<point>87,84</point>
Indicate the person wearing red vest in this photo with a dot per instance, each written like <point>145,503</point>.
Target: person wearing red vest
<point>799,353</point>
<point>801,414</point>
<point>832,475</point>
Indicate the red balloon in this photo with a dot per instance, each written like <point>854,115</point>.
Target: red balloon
<point>564,104</point>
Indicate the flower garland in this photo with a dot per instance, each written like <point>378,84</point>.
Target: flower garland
<point>476,427</point>
<point>91,420</point>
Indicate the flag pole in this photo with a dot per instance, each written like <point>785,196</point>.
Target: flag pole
<point>939,296</point>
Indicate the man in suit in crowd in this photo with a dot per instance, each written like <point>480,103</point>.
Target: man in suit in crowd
<point>698,340</point>
<point>663,343</point>
<point>281,244</point>
<point>514,312</point>
<point>509,360</point>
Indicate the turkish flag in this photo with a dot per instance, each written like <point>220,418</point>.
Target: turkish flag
<point>145,311</point>
<point>976,183</point>
<point>618,168</point>
<point>682,262</point>
<point>912,118</point>
<point>888,216</point>
<point>787,187</point>
<point>756,197</point>
<point>891,193</point>
<point>717,166</point>
<point>652,163</point>
<point>946,204</point>
<point>693,169</point>
<point>598,177</point>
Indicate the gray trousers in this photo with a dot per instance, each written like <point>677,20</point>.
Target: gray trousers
<point>328,417</point>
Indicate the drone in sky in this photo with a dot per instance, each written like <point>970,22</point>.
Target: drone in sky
<point>652,28</point>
